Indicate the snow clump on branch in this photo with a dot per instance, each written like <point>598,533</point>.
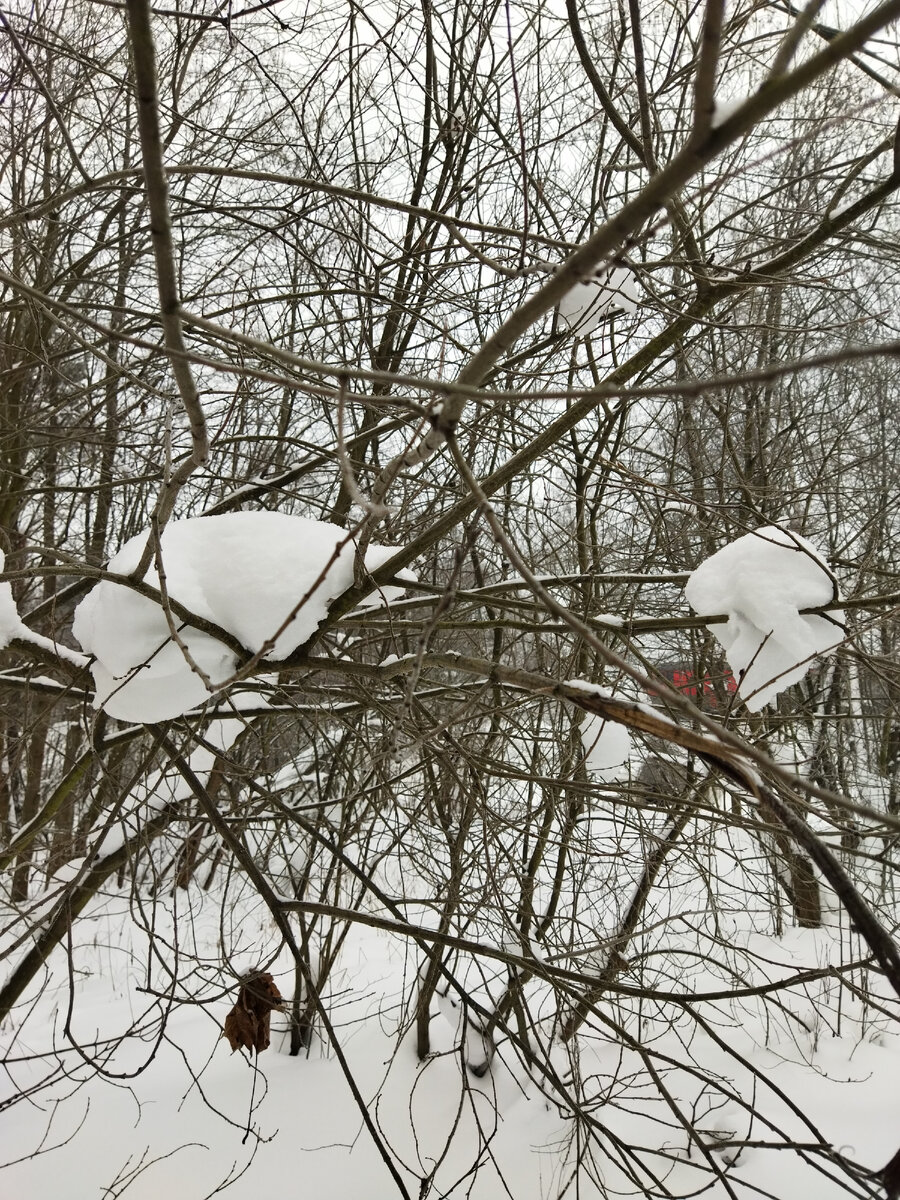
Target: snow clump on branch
<point>761,582</point>
<point>10,622</point>
<point>613,289</point>
<point>250,573</point>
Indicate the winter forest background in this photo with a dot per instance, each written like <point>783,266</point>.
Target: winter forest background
<point>449,617</point>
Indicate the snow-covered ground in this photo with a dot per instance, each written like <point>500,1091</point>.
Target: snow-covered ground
<point>169,1111</point>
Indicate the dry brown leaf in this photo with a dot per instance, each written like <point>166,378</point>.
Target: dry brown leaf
<point>247,1024</point>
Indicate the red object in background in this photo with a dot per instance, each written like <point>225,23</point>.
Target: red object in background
<point>682,678</point>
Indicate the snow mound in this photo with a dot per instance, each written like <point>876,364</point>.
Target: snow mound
<point>613,289</point>
<point>607,748</point>
<point>762,581</point>
<point>249,572</point>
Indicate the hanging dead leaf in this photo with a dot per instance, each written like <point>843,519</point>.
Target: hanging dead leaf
<point>247,1024</point>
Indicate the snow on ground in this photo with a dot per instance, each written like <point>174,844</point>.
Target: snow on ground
<point>178,1128</point>
<point>761,582</point>
<point>307,1133</point>
<point>265,577</point>
<point>607,747</point>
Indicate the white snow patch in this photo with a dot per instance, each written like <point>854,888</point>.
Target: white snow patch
<point>12,626</point>
<point>612,619</point>
<point>262,576</point>
<point>761,581</point>
<point>613,289</point>
<point>723,109</point>
<point>54,647</point>
<point>10,623</point>
<point>607,747</point>
<point>594,689</point>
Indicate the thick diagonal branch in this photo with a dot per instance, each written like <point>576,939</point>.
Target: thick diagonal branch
<point>143,55</point>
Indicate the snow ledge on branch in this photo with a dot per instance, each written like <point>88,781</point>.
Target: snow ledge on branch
<point>13,628</point>
<point>761,582</point>
<point>612,289</point>
<point>262,576</point>
<point>10,623</point>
